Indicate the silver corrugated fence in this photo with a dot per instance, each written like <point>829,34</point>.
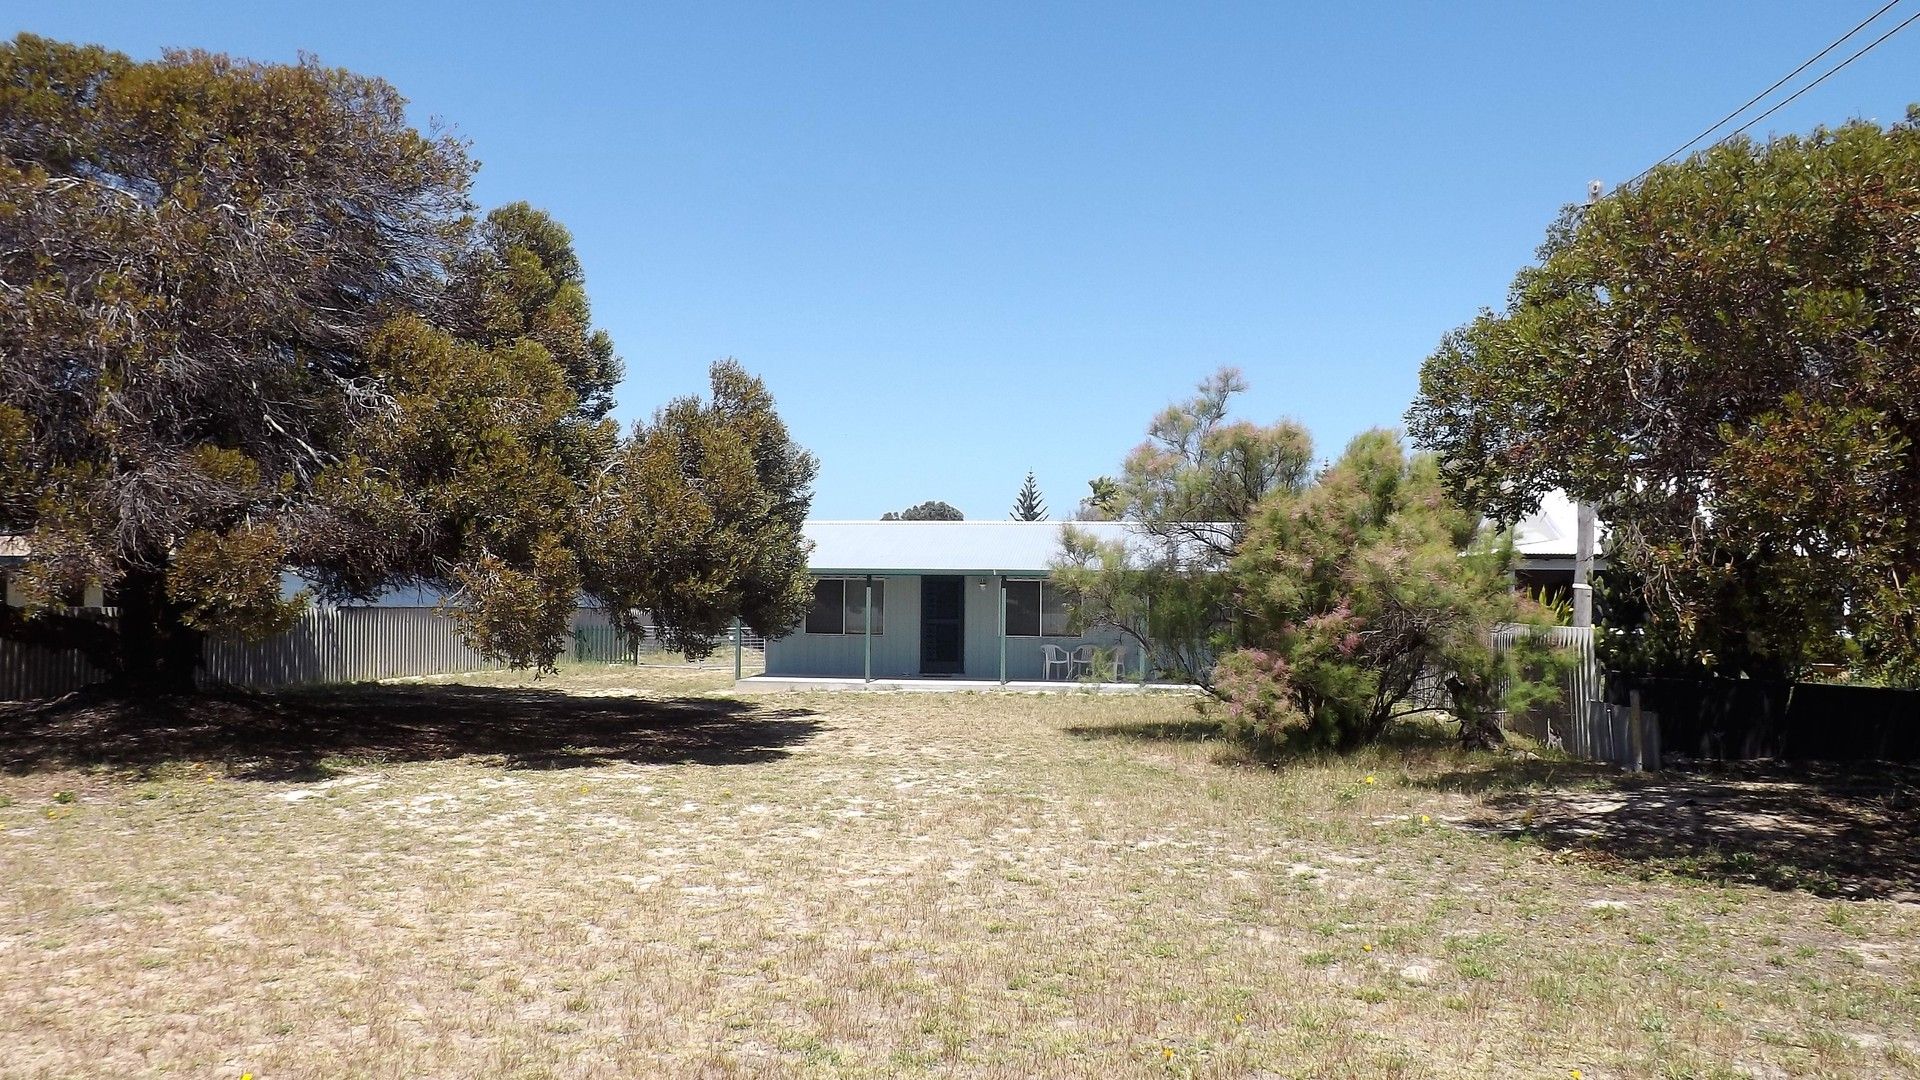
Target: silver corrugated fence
<point>30,672</point>
<point>1590,728</point>
<point>326,645</point>
<point>345,645</point>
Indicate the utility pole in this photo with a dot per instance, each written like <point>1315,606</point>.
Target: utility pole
<point>1583,519</point>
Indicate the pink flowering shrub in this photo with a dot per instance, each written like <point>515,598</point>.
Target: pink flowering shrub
<point>1256,693</point>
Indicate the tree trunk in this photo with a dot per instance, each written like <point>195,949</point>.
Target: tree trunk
<point>159,653</point>
<point>1479,719</point>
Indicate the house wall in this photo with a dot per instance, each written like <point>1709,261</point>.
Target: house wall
<point>896,652</point>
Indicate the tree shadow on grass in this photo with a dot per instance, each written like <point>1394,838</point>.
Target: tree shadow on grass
<point>1838,831</point>
<point>293,734</point>
<point>1835,830</point>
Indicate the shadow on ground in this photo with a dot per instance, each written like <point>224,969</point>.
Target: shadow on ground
<point>1834,830</point>
<point>294,734</point>
<point>1837,831</point>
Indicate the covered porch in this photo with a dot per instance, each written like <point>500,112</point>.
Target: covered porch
<point>947,604</point>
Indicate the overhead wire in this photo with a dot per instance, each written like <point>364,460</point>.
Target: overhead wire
<point>1783,80</point>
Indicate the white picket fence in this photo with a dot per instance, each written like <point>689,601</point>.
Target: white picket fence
<point>327,645</point>
<point>1590,728</point>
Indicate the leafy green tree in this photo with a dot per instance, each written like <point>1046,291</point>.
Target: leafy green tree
<point>1102,502</point>
<point>1361,597</point>
<point>1722,357</point>
<point>1318,609</point>
<point>699,519</point>
<point>926,511</point>
<point>1188,491</point>
<point>1027,504</point>
<point>251,326</point>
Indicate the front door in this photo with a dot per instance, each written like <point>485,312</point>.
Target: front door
<point>943,625</point>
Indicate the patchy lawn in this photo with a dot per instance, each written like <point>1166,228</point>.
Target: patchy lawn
<point>629,873</point>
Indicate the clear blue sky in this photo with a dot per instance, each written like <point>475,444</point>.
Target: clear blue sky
<point>963,241</point>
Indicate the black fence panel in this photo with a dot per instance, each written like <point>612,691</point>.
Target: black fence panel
<point>1741,719</point>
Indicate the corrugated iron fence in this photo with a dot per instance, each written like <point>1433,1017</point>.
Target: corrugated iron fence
<point>1589,727</point>
<point>326,645</point>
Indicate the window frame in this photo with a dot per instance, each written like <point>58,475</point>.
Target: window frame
<point>1059,617</point>
<point>848,613</point>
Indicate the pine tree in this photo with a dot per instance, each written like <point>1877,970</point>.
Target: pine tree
<point>1028,505</point>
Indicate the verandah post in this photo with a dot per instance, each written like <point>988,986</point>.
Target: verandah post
<point>1002,581</point>
<point>866,629</point>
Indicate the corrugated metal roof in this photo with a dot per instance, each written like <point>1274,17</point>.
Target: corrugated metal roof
<point>944,547</point>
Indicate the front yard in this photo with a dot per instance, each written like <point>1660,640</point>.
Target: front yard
<point>625,873</point>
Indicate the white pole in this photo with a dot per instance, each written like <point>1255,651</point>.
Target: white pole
<point>1584,519</point>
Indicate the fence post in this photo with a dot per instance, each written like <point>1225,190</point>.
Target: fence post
<point>736,650</point>
<point>1635,736</point>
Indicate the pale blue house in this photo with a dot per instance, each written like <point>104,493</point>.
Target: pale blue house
<point>940,600</point>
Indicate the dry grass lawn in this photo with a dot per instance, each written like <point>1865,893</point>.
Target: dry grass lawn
<point>624,874</point>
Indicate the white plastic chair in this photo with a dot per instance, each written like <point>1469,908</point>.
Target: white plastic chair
<point>1081,661</point>
<point>1055,656</point>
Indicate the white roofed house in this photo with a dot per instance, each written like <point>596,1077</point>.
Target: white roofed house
<point>941,601</point>
<point>1544,543</point>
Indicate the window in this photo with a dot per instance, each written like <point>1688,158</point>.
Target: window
<point>1035,609</point>
<point>840,606</point>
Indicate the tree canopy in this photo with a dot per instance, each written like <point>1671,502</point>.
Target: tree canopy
<point>1027,503</point>
<point>1723,357</point>
<point>1315,606</point>
<point>251,325</point>
<point>932,510</point>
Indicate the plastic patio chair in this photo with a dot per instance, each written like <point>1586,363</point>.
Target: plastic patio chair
<point>1081,662</point>
<point>1055,656</point>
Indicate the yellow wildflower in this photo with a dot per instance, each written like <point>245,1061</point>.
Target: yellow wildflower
<point>1369,778</point>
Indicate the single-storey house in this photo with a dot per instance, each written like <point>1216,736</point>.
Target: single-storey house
<point>939,599</point>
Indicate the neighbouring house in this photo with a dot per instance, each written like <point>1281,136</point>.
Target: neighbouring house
<point>13,555</point>
<point>1544,542</point>
<point>939,599</point>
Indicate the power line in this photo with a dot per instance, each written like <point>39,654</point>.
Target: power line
<point>1788,100</point>
<point>1782,81</point>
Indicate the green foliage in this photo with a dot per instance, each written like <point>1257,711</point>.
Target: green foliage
<point>1028,505</point>
<point>1188,490</point>
<point>231,582</point>
<point>251,325</point>
<point>1357,591</point>
<point>700,519</point>
<point>1102,502</point>
<point>932,510</point>
<point>1721,357</point>
<point>1317,609</point>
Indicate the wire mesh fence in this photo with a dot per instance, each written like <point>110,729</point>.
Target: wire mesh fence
<point>600,642</point>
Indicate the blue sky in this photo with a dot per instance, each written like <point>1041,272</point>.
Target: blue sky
<point>967,240</point>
